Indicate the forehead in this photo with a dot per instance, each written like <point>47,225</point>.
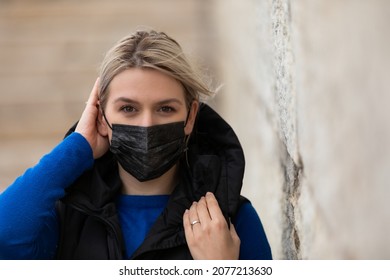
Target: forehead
<point>145,84</point>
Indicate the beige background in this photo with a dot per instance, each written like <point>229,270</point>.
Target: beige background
<point>305,86</point>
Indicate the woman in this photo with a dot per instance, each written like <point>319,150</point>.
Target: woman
<point>149,172</point>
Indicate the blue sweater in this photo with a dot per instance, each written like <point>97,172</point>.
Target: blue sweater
<point>28,221</point>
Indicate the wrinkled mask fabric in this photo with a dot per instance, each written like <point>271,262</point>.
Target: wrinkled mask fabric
<point>148,152</point>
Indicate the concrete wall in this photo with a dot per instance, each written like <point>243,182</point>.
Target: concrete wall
<point>304,86</point>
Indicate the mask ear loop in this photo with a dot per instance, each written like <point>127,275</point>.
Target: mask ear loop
<point>185,124</point>
<point>188,116</point>
<point>104,116</point>
<point>187,136</point>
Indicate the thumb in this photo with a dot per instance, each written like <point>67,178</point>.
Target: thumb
<point>233,232</point>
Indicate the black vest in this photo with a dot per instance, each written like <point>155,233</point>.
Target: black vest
<point>89,225</point>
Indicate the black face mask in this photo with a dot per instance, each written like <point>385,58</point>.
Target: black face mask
<point>148,152</point>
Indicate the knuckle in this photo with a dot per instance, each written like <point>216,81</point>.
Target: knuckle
<point>220,224</point>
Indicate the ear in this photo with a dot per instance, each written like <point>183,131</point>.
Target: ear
<point>192,117</point>
<point>102,126</point>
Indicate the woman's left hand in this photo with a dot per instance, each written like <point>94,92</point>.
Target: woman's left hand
<point>207,232</point>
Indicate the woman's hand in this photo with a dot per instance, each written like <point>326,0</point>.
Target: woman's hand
<point>88,124</point>
<point>207,233</point>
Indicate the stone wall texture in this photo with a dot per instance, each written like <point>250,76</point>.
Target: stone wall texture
<point>304,84</point>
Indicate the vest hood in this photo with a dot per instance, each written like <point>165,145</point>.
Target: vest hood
<point>216,160</point>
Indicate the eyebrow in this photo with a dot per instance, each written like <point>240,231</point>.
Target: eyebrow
<point>161,102</point>
<point>124,99</point>
<point>170,100</point>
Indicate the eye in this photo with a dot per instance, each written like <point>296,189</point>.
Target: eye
<point>127,109</point>
<point>167,109</point>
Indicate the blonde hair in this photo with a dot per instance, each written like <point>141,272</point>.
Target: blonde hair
<point>154,50</point>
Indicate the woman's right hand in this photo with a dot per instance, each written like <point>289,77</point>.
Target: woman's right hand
<point>88,125</point>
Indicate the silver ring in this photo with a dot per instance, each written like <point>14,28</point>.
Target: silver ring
<point>195,222</point>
